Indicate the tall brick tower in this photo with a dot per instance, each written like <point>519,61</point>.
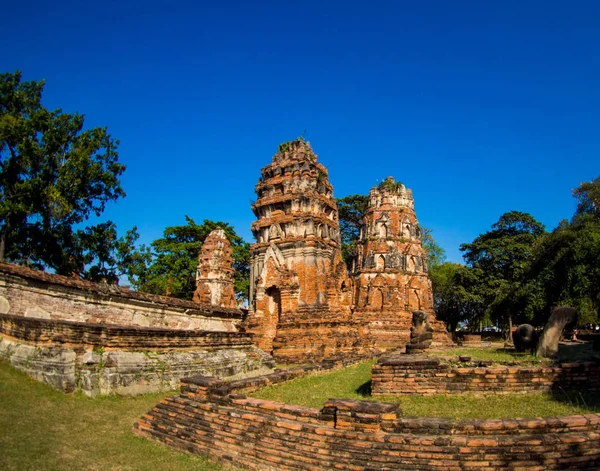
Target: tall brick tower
<point>390,269</point>
<point>300,293</point>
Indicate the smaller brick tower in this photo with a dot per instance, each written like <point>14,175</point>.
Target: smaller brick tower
<point>390,268</point>
<point>214,276</point>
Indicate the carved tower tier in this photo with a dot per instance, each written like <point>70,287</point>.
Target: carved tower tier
<point>390,268</point>
<point>299,286</point>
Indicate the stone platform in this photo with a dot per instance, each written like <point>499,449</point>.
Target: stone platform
<point>106,359</point>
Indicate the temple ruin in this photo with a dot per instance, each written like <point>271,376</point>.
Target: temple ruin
<point>300,292</point>
<point>214,276</point>
<point>303,302</point>
<point>390,267</point>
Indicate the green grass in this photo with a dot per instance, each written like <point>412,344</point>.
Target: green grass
<point>42,429</point>
<point>495,407</point>
<point>354,383</point>
<point>499,354</point>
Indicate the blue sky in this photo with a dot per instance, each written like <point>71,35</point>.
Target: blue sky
<point>480,107</point>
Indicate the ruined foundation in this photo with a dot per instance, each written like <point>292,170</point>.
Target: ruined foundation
<point>216,418</point>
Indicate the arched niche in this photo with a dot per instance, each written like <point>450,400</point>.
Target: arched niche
<point>382,230</point>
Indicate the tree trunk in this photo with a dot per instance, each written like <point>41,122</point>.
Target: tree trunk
<point>507,329</point>
<point>3,236</point>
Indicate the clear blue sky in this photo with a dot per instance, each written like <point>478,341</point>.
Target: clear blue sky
<point>480,107</point>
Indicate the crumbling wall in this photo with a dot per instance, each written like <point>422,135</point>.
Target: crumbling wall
<point>106,359</point>
<point>408,375</point>
<point>216,418</point>
<point>36,294</point>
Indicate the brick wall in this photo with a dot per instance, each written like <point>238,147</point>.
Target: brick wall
<point>415,374</point>
<point>31,293</point>
<point>115,337</point>
<point>215,418</point>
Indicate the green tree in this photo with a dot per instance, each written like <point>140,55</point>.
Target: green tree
<point>455,294</point>
<point>501,257</point>
<point>53,176</point>
<point>170,269</point>
<point>566,268</point>
<point>351,210</point>
<point>436,255</point>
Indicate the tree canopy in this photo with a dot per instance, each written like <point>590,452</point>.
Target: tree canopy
<point>500,259</point>
<point>169,267</point>
<point>566,267</point>
<point>351,210</point>
<point>53,176</point>
<point>456,297</point>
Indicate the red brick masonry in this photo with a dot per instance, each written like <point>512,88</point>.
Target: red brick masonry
<point>408,374</point>
<point>212,417</point>
<point>113,337</point>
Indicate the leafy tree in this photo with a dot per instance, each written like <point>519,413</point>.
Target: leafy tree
<point>350,214</point>
<point>455,294</point>
<point>170,269</point>
<point>53,176</point>
<point>436,255</point>
<point>502,257</point>
<point>566,269</point>
<point>588,197</point>
<point>107,257</point>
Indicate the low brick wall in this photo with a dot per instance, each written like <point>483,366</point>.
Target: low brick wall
<point>36,294</point>
<point>215,418</point>
<point>106,359</point>
<point>416,374</point>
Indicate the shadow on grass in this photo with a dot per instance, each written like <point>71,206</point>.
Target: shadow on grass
<point>569,387</point>
<point>588,401</point>
<point>364,389</point>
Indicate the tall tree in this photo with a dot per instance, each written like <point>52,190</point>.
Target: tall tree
<point>351,210</point>
<point>170,269</point>
<point>502,256</point>
<point>455,295</point>
<point>436,255</point>
<point>53,176</point>
<point>566,268</point>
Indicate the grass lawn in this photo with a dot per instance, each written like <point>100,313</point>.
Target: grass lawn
<point>566,352</point>
<point>43,429</point>
<point>354,383</point>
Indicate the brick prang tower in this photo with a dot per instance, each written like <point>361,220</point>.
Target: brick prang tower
<point>300,292</point>
<point>390,268</point>
<point>214,276</point>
